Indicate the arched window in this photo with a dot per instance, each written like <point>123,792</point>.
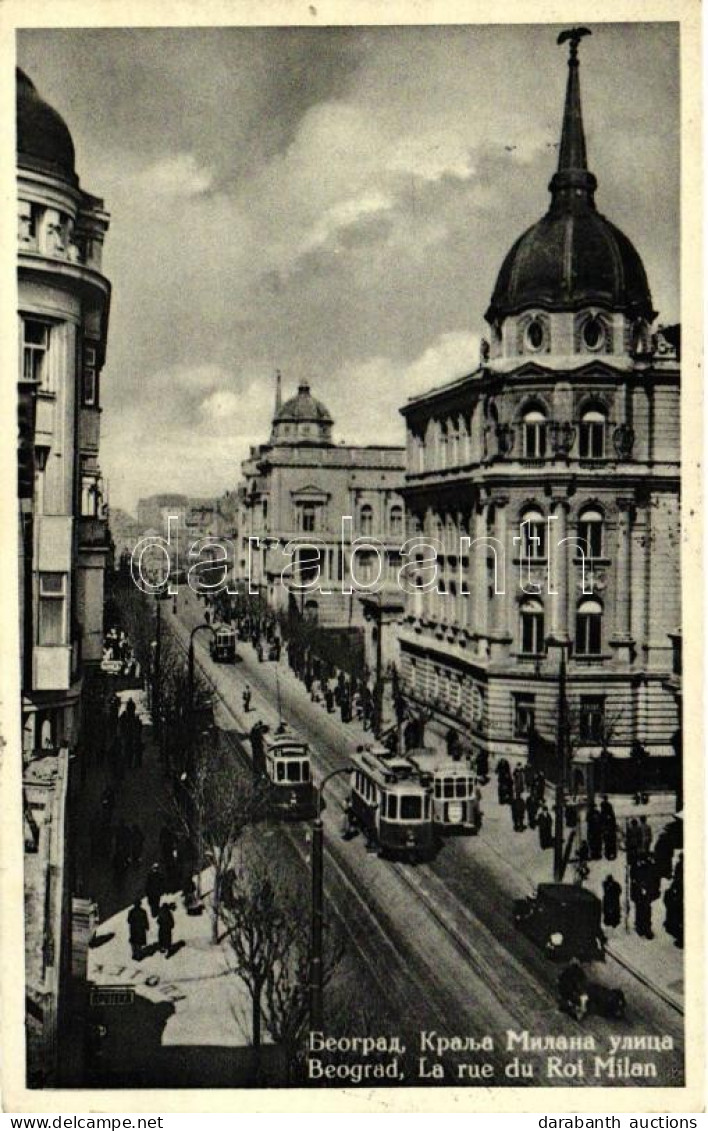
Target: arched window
<point>532,628</point>
<point>535,334</point>
<point>367,519</point>
<point>588,629</point>
<point>443,444</point>
<point>533,535</point>
<point>592,435</point>
<point>590,533</point>
<point>534,434</point>
<point>396,520</point>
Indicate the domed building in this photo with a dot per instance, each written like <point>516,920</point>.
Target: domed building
<point>310,507</point>
<point>63,524</point>
<point>547,484</point>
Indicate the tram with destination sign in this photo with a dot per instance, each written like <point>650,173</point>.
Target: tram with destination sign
<point>456,793</point>
<point>392,804</point>
<point>222,646</point>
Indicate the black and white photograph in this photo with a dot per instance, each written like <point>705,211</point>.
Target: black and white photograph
<point>343,685</point>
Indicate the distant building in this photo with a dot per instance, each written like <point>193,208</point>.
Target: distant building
<point>548,481</point>
<point>63,537</point>
<point>297,490</point>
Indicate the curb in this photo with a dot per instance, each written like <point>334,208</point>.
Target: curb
<point>668,998</point>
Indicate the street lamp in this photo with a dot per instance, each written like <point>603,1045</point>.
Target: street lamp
<point>316,938</point>
<point>378,689</point>
<point>561,763</point>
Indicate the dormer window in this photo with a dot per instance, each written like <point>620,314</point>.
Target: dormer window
<point>535,334</point>
<point>594,333</point>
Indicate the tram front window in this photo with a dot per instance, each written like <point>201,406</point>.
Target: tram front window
<point>411,808</point>
<point>293,771</point>
<point>463,787</point>
<point>448,787</point>
<point>392,809</point>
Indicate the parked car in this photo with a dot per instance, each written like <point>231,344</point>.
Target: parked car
<point>564,920</point>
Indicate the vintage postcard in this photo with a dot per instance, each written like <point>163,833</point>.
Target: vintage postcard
<point>352,601</point>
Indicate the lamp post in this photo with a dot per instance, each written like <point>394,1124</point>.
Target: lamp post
<point>561,767</point>
<point>316,936</point>
<point>378,689</point>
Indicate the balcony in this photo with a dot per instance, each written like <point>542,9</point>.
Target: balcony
<point>93,533</point>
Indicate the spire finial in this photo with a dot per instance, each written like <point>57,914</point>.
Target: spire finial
<point>573,35</point>
<point>573,185</point>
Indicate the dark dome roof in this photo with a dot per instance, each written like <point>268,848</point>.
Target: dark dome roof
<point>43,138</point>
<point>303,407</point>
<point>573,256</point>
<point>569,260</point>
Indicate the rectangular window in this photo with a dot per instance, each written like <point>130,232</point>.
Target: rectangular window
<point>52,608</point>
<point>592,718</point>
<point>411,808</point>
<point>524,715</point>
<point>532,632</point>
<point>392,807</point>
<point>35,349</point>
<point>308,518</point>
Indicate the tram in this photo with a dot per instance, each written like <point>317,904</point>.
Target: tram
<point>456,794</point>
<point>392,804</point>
<point>222,646</point>
<point>283,760</point>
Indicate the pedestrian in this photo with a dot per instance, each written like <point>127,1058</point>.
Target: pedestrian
<point>545,828</point>
<point>329,700</point>
<point>519,781</point>
<point>531,810</point>
<point>594,821</point>
<point>165,926</point>
<point>483,765</point>
<point>611,901</point>
<point>646,836</point>
<point>663,853</point>
<point>518,812</point>
<point>154,887</point>
<point>608,825</point>
<point>138,924</point>
<point>632,842</point>
<point>247,699</point>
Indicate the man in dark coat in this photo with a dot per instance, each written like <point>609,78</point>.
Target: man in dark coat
<point>154,887</point>
<point>519,780</point>
<point>545,828</point>
<point>611,905</point>
<point>518,812</point>
<point>646,836</point>
<point>663,853</point>
<point>138,924</point>
<point>594,833</point>
<point>165,926</point>
<point>531,810</point>
<point>633,842</point>
<point>608,823</point>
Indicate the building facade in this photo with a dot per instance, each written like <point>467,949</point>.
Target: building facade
<point>62,326</point>
<point>63,530</point>
<point>307,508</point>
<point>546,483</point>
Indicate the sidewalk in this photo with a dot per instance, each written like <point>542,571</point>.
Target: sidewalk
<point>187,1021</point>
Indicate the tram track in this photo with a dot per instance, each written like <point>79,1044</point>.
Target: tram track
<point>376,936</point>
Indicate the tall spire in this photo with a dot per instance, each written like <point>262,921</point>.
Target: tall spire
<point>572,186</point>
<point>278,392</point>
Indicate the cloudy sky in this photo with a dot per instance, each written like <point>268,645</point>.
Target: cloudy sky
<point>335,203</point>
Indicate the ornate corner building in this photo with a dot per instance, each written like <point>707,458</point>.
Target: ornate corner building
<point>298,491</point>
<point>62,325</point>
<point>545,485</point>
<point>63,534</point>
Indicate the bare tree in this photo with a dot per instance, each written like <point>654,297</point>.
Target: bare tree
<point>268,929</point>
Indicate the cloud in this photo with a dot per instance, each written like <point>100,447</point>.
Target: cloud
<point>177,175</point>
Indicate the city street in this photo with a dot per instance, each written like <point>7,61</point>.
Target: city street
<point>442,932</point>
